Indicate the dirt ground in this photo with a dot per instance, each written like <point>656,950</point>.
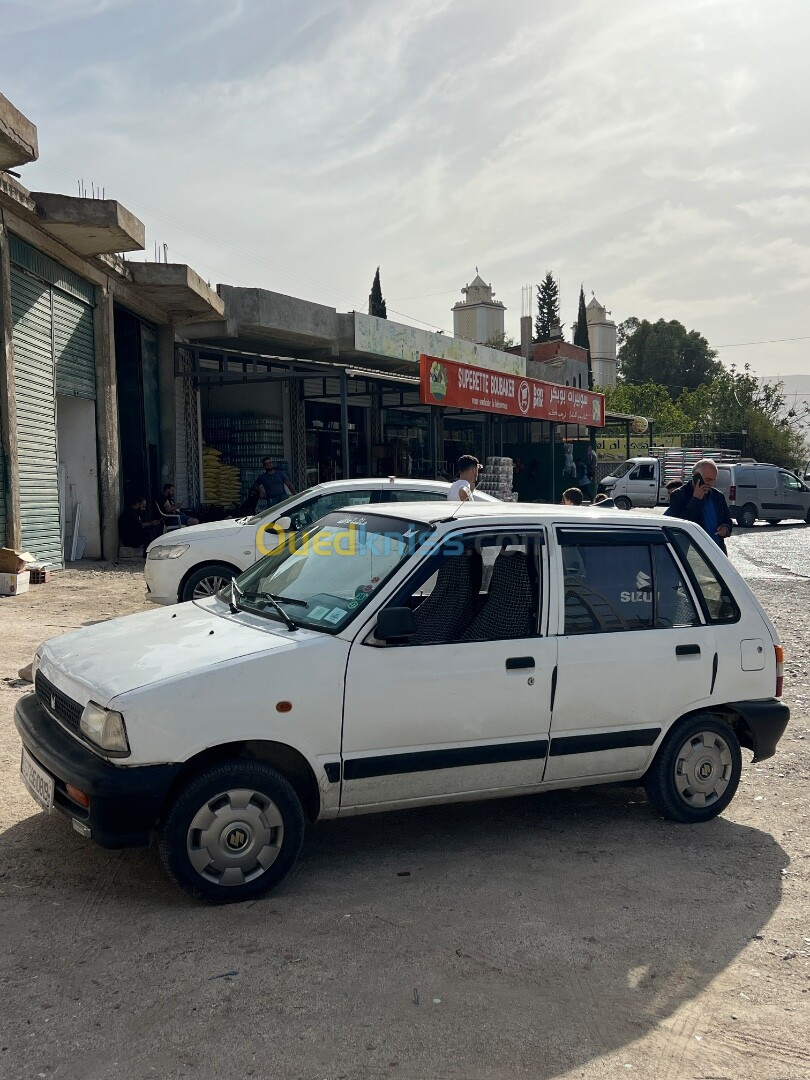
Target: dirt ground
<point>574,934</point>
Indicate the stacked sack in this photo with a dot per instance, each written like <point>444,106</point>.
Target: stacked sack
<point>220,481</point>
<point>496,479</point>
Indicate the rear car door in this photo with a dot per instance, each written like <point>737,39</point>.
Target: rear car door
<point>795,496</point>
<point>634,650</point>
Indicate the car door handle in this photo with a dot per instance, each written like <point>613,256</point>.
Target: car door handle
<point>687,650</point>
<point>514,663</point>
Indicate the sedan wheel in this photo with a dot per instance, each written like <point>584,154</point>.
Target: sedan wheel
<point>696,771</point>
<point>233,832</point>
<point>206,581</point>
<point>209,586</point>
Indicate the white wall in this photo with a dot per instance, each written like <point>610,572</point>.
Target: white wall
<point>76,437</point>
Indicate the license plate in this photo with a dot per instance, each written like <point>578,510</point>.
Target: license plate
<point>40,784</point>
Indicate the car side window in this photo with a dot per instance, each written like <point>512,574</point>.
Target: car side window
<point>322,505</point>
<point>646,472</point>
<point>480,588</point>
<point>411,495</point>
<point>673,604</point>
<point>719,606</point>
<point>608,587</point>
<point>790,482</point>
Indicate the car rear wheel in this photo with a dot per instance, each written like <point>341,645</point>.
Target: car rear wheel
<point>696,771</point>
<point>622,503</point>
<point>207,581</point>
<point>747,516</point>
<point>232,833</point>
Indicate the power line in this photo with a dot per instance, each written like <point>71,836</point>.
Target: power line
<point>770,341</point>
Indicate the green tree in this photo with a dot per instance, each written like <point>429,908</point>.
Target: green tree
<point>581,333</point>
<point>548,308</point>
<point>737,401</point>
<point>376,304</point>
<point>648,400</point>
<point>501,341</point>
<point>666,353</point>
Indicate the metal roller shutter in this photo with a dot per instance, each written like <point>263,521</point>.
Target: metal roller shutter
<point>73,346</point>
<point>3,486</point>
<point>32,318</point>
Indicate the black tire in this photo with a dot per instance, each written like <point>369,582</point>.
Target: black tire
<point>203,581</point>
<point>622,503</point>
<point>747,516</point>
<point>674,783</point>
<point>253,840</point>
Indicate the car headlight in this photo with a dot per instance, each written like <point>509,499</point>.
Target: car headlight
<point>166,551</point>
<point>105,728</point>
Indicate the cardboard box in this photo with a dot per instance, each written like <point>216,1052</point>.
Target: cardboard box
<point>14,584</point>
<point>13,561</point>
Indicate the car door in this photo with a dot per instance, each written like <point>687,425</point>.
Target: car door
<point>634,650</point>
<point>795,496</point>
<point>449,714</point>
<point>642,486</point>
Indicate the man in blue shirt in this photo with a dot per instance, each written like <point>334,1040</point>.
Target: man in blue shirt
<point>699,501</point>
<point>275,483</point>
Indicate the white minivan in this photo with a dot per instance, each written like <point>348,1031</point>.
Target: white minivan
<point>757,491</point>
<point>404,655</point>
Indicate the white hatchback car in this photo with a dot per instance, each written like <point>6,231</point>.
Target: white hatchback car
<point>404,655</point>
<point>195,562</point>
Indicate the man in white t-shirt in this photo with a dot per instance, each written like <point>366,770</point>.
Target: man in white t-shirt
<point>468,469</point>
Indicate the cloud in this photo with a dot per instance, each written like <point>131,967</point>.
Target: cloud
<point>26,16</point>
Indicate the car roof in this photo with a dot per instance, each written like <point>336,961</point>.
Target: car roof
<point>540,513</point>
<point>381,481</point>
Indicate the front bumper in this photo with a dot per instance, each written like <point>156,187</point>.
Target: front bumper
<point>163,577</point>
<point>125,801</point>
<point>766,720</point>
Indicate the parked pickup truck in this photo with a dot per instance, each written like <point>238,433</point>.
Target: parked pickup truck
<point>637,482</point>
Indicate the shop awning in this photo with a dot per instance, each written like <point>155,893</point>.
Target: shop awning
<point>89,226</point>
<point>176,289</point>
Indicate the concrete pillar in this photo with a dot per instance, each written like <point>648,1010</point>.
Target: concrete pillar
<point>10,478</point>
<point>168,387</point>
<point>109,458</point>
<point>526,336</point>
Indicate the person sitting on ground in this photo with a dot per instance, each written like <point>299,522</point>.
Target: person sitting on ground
<point>171,509</point>
<point>572,497</point>
<point>248,507</point>
<point>468,468</point>
<point>133,530</point>
<point>604,501</point>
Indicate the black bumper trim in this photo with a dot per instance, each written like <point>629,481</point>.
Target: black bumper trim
<point>125,801</point>
<point>767,720</point>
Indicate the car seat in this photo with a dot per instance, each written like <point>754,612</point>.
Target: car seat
<point>510,601</point>
<point>442,616</point>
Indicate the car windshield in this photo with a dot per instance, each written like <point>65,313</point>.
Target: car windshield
<point>623,469</point>
<point>323,575</point>
<point>279,507</point>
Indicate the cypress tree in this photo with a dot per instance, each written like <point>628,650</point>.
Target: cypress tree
<point>548,308</point>
<point>581,334</point>
<point>376,304</point>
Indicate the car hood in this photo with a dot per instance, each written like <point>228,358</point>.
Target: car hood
<point>213,530</point>
<point>111,658</point>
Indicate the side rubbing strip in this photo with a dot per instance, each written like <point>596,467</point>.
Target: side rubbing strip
<point>332,770</point>
<point>714,673</point>
<point>428,760</point>
<point>611,740</point>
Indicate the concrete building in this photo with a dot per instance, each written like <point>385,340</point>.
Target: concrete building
<point>88,395</point>
<point>602,341</point>
<point>479,316</point>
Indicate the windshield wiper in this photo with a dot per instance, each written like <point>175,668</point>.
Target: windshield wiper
<point>275,596</point>
<point>234,590</point>
<point>275,602</point>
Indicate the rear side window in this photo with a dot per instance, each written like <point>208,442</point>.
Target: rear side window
<point>719,606</point>
<point>623,585</point>
<point>412,495</point>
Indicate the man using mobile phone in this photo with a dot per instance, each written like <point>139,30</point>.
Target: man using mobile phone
<point>700,501</point>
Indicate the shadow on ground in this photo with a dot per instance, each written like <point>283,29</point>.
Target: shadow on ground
<point>475,940</point>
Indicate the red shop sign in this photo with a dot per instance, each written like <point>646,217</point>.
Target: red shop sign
<point>445,382</point>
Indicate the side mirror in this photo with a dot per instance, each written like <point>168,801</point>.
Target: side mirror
<point>284,523</point>
<point>395,622</point>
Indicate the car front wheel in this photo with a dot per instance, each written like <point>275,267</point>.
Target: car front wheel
<point>232,833</point>
<point>206,581</point>
<point>696,771</point>
<point>622,503</point>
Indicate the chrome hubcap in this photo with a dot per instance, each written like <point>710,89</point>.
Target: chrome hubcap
<point>703,769</point>
<point>208,586</point>
<point>235,837</point>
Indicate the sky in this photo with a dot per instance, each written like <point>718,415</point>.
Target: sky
<point>653,150</point>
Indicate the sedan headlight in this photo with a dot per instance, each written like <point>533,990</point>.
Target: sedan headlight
<point>105,728</point>
<point>166,551</point>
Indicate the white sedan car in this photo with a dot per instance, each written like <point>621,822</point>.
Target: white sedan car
<point>195,562</point>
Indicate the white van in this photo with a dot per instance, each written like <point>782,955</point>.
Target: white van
<point>756,491</point>
<point>399,656</point>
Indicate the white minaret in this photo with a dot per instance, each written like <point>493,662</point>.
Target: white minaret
<point>602,342</point>
<point>479,316</point>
